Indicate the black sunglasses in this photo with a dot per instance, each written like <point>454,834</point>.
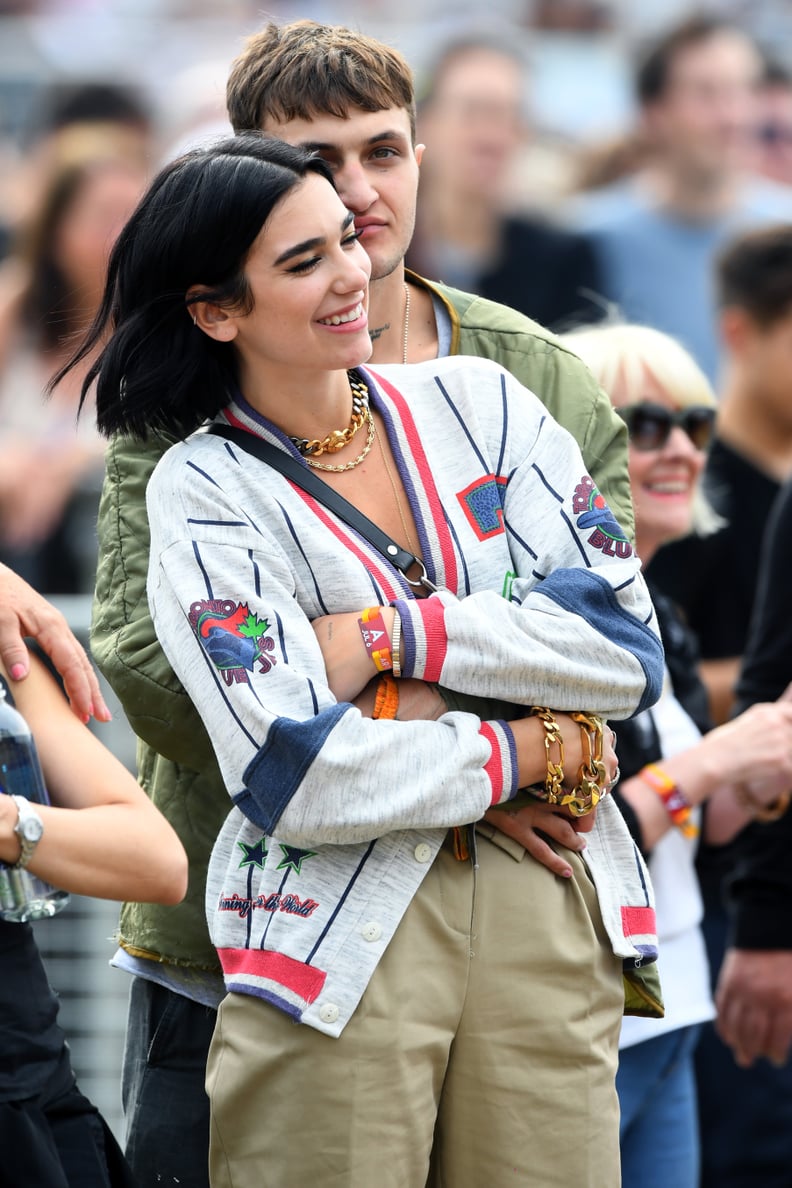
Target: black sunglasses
<point>650,425</point>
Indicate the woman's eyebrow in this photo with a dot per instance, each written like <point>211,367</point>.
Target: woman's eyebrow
<point>306,246</point>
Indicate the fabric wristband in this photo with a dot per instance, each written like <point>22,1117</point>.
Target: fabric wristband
<point>676,803</point>
<point>376,638</point>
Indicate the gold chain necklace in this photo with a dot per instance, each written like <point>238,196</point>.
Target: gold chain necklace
<point>407,536</point>
<point>336,440</point>
<point>355,461</point>
<point>406,326</point>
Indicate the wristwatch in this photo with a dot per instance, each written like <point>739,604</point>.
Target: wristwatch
<point>29,828</point>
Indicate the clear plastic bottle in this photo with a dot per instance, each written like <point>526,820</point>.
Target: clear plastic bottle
<point>23,895</point>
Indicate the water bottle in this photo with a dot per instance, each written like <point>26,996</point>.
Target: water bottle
<point>23,895</point>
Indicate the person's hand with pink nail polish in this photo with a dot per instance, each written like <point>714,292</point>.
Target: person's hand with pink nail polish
<point>26,613</point>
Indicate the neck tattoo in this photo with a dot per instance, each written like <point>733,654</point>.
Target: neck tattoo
<point>378,331</point>
<point>406,324</point>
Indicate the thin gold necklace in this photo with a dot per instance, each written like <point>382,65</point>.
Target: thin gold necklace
<point>406,324</point>
<point>407,536</point>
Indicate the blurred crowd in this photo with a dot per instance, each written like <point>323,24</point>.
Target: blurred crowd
<point>623,219</point>
<point>679,218</point>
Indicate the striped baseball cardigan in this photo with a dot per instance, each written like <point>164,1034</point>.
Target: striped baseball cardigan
<point>336,818</point>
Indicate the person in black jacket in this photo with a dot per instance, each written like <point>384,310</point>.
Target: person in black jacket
<point>755,987</point>
<point>469,233</point>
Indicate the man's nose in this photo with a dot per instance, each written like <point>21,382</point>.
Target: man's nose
<point>354,188</point>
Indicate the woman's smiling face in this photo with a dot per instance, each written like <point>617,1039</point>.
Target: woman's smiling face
<point>308,277</point>
<point>663,481</point>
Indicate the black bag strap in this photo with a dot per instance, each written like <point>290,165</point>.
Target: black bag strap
<point>321,491</point>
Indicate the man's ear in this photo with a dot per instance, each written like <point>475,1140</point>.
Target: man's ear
<point>215,321</point>
<point>736,328</point>
<point>419,152</point>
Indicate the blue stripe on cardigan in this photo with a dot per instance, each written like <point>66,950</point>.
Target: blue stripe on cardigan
<point>581,592</point>
<point>273,776</point>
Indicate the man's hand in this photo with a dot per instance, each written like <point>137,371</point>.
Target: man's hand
<point>754,1001</point>
<point>25,612</point>
<point>522,825</point>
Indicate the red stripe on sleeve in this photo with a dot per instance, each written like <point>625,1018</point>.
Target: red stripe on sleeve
<point>432,614</point>
<point>494,765</point>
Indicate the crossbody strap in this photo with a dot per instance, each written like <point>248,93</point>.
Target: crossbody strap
<point>327,495</point>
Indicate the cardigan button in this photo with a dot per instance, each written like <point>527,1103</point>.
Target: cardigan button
<point>371,931</point>
<point>423,852</point>
<point>329,1012</point>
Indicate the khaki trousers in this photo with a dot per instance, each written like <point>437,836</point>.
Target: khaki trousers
<point>483,1052</point>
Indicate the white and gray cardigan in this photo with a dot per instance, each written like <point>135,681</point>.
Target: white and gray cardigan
<point>337,817</point>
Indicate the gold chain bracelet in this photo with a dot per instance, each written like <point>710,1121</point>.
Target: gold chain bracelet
<point>554,777</point>
<point>587,793</point>
<point>760,812</point>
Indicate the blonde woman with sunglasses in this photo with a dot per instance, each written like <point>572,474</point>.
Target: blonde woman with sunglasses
<point>671,762</point>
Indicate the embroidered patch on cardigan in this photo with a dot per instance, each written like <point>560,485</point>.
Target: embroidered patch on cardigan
<point>593,512</point>
<point>233,637</point>
<point>483,505</point>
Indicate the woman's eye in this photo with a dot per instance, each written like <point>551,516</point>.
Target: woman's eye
<point>348,240</point>
<point>305,265</point>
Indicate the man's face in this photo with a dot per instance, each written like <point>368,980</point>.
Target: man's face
<point>707,117</point>
<point>375,168</point>
<point>474,124</point>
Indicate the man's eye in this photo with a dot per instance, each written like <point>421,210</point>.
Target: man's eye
<point>330,161</point>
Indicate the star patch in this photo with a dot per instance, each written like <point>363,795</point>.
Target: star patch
<point>294,857</point>
<point>254,855</point>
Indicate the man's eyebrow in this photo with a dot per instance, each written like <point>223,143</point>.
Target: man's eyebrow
<point>308,245</point>
<point>321,146</point>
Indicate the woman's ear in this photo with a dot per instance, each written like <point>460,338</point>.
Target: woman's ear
<point>215,321</point>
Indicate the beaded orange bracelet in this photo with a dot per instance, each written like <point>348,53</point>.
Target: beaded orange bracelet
<point>677,806</point>
<point>376,638</point>
<point>386,701</point>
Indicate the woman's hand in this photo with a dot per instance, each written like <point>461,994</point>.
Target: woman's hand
<point>349,666</point>
<point>418,701</point>
<point>24,612</point>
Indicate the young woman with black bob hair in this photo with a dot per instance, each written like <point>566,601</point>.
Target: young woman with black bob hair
<point>458,998</point>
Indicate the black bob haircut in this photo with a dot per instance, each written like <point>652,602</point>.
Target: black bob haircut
<point>195,225</point>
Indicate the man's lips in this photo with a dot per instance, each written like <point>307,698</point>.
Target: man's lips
<point>367,228</point>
